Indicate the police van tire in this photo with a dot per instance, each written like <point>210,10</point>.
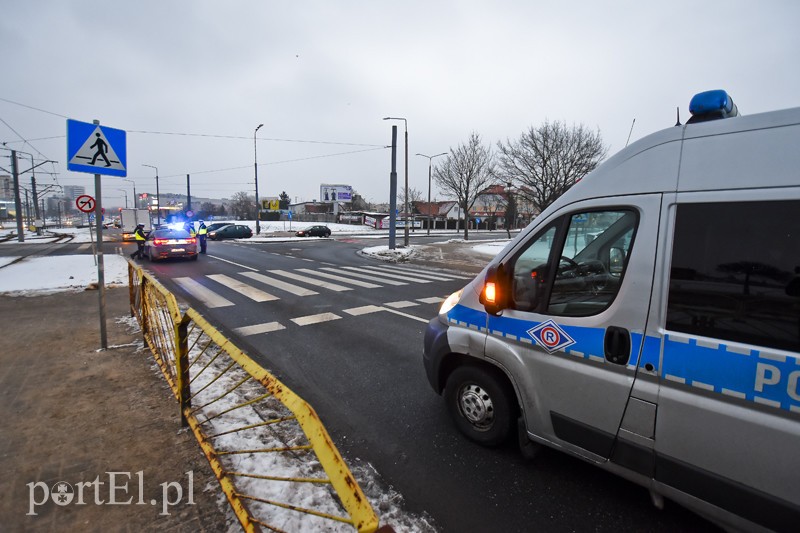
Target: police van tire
<point>481,404</point>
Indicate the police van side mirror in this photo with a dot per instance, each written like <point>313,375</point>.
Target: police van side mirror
<point>495,292</point>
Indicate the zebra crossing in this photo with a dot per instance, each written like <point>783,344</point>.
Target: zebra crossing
<point>272,285</point>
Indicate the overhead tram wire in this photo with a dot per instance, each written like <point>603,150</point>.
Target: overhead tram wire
<point>215,136</point>
<point>25,141</point>
<point>276,162</point>
<point>195,134</point>
<point>34,108</point>
<point>370,147</point>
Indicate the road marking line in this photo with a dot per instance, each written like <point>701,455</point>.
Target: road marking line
<point>425,320</point>
<point>242,288</point>
<point>364,310</point>
<point>339,278</point>
<point>232,263</point>
<point>401,304</point>
<point>315,319</point>
<point>368,309</point>
<point>431,300</point>
<point>82,247</point>
<point>424,273</point>
<point>255,329</point>
<point>278,284</point>
<point>385,281</point>
<point>311,281</point>
<point>205,295</point>
<point>394,275</point>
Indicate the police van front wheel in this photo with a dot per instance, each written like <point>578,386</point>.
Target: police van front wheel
<point>481,404</point>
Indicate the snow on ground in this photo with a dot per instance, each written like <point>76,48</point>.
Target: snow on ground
<point>39,275</point>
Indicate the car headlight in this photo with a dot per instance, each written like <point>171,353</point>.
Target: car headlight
<point>450,302</point>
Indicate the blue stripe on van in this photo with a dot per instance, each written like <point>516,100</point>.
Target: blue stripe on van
<point>588,341</point>
<point>762,377</point>
<point>759,376</point>
<point>467,317</point>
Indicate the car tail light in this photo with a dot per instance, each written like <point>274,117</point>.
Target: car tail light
<point>191,240</point>
<point>160,242</point>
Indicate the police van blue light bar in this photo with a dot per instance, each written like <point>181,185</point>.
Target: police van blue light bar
<point>712,105</point>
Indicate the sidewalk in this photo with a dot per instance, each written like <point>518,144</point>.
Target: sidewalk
<point>73,414</point>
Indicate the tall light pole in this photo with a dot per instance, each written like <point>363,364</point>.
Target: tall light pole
<point>158,196</point>
<point>255,172</point>
<point>430,158</point>
<point>126,197</point>
<point>405,202</point>
<point>135,198</point>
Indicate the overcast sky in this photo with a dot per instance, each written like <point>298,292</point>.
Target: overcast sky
<point>320,76</point>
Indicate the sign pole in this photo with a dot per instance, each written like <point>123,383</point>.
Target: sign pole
<point>97,150</point>
<point>101,282</point>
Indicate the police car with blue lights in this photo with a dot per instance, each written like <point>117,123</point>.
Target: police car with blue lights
<point>648,321</point>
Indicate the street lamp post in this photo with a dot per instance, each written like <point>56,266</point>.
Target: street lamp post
<point>430,158</point>
<point>255,173</point>
<point>158,196</point>
<point>405,202</point>
<point>123,191</point>
<point>135,198</point>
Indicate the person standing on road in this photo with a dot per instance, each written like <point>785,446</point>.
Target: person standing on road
<point>202,233</point>
<point>140,238</point>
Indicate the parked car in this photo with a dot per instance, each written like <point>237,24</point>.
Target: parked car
<point>314,231</point>
<point>167,242</point>
<point>231,231</point>
<point>216,226</point>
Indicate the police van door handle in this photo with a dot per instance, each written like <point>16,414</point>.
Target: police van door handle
<point>617,345</point>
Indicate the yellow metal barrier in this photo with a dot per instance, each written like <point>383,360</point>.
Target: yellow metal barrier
<point>275,462</point>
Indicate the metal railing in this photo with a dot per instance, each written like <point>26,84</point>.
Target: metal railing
<point>275,462</point>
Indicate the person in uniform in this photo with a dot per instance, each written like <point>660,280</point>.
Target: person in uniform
<point>202,234</point>
<point>140,238</point>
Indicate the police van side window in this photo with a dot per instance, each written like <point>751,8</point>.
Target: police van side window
<point>530,272</point>
<point>736,273</point>
<point>576,266</point>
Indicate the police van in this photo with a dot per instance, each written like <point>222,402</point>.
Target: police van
<point>648,321</point>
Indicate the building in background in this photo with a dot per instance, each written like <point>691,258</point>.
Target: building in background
<point>71,192</point>
<point>6,188</point>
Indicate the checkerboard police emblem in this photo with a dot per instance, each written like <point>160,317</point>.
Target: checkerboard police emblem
<point>550,336</point>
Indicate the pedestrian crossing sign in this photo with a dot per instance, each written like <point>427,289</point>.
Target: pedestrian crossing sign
<point>96,149</point>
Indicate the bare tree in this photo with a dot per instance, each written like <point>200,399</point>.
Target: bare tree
<point>243,206</point>
<point>467,170</point>
<point>414,195</point>
<point>546,161</point>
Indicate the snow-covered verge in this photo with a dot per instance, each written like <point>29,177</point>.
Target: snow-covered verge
<point>42,275</point>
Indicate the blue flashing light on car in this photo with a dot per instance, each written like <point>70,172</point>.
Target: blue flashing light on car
<point>712,105</point>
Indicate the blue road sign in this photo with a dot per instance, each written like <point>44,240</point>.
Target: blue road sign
<point>96,149</point>
<point>290,215</point>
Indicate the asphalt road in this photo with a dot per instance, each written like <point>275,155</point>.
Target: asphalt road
<point>354,352</point>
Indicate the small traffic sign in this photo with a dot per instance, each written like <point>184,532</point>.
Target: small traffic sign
<point>96,149</point>
<point>85,203</point>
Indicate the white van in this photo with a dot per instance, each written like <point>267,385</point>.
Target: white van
<point>649,321</point>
